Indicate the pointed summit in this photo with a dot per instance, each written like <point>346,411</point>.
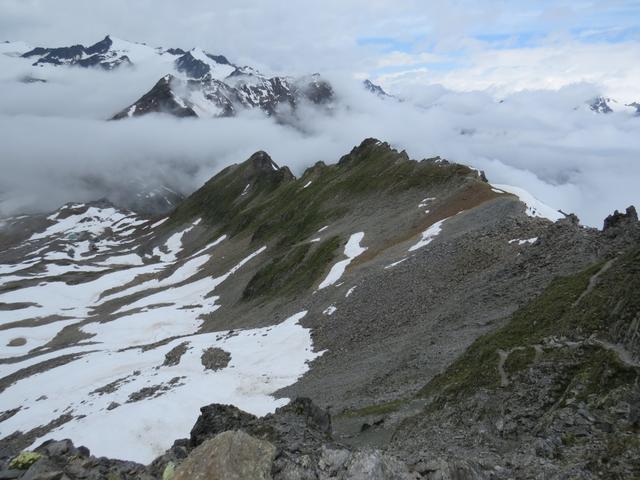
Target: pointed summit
<point>160,99</point>
<point>601,105</point>
<point>100,47</point>
<point>262,161</point>
<point>375,89</point>
<point>260,166</point>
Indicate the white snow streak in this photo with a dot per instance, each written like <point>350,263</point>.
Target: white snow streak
<point>352,249</point>
<point>428,235</point>
<point>535,208</point>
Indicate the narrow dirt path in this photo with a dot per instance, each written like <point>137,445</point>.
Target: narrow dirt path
<point>593,281</point>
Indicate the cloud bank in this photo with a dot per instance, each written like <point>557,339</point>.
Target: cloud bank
<point>57,147</point>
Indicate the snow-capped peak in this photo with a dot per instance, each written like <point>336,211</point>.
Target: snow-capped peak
<point>197,63</point>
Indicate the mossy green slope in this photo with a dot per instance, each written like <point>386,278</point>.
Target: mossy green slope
<point>598,304</point>
<point>556,391</point>
<point>276,206</point>
<point>256,199</point>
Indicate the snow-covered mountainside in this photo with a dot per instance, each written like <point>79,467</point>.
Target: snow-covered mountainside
<point>610,105</point>
<point>202,84</point>
<point>356,285</point>
<point>375,89</point>
<point>209,97</point>
<point>108,53</point>
<point>149,355</point>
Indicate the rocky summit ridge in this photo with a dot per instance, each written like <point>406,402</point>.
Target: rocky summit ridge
<point>425,324</point>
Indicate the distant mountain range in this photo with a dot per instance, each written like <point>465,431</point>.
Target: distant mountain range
<point>610,105</point>
<point>197,83</point>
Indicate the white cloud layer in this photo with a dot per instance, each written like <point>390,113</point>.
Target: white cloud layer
<point>614,68</point>
<point>55,140</point>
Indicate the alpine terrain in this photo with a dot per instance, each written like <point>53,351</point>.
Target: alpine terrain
<point>195,83</point>
<point>376,318</point>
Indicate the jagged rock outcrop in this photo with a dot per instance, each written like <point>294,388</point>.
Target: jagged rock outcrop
<point>226,443</point>
<point>375,89</point>
<point>197,64</point>
<point>636,106</point>
<point>99,54</point>
<point>601,105</point>
<point>617,222</point>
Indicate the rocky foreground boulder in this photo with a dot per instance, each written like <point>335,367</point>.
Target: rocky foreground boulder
<point>226,443</point>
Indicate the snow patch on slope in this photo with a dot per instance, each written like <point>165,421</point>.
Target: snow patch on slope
<point>427,237</point>
<point>262,361</point>
<point>352,250</point>
<point>535,208</point>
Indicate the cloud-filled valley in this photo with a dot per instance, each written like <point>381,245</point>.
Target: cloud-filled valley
<point>57,145</point>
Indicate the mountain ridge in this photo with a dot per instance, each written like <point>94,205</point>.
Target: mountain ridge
<point>356,285</point>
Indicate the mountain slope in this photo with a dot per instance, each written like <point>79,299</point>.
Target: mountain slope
<point>555,390</point>
<point>355,284</point>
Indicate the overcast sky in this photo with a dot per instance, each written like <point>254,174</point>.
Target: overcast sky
<point>463,44</point>
<point>498,85</point>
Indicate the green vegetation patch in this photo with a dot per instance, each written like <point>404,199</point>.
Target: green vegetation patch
<point>24,460</point>
<point>518,360</point>
<point>272,206</point>
<point>601,372</point>
<point>294,271</point>
<point>377,409</point>
<point>561,311</point>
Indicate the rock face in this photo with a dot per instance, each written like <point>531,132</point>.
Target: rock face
<point>553,394</point>
<point>375,89</point>
<point>160,99</point>
<point>195,68</point>
<point>617,222</point>
<point>204,95</point>
<point>229,456</point>
<point>62,460</point>
<point>636,106</point>
<point>601,105</point>
<point>226,443</point>
<point>99,54</point>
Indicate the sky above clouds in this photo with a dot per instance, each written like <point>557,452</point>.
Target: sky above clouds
<point>499,85</point>
<point>462,44</point>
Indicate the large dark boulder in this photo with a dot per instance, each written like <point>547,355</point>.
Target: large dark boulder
<point>215,419</point>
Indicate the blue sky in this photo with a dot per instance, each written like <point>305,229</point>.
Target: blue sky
<point>498,25</point>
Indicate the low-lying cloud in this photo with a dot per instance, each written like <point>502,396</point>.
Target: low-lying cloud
<point>56,146</point>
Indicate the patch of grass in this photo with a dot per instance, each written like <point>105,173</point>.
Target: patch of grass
<point>555,313</point>
<point>518,360</point>
<point>277,207</point>
<point>378,409</point>
<point>601,371</point>
<point>568,439</point>
<point>24,460</point>
<point>294,271</point>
